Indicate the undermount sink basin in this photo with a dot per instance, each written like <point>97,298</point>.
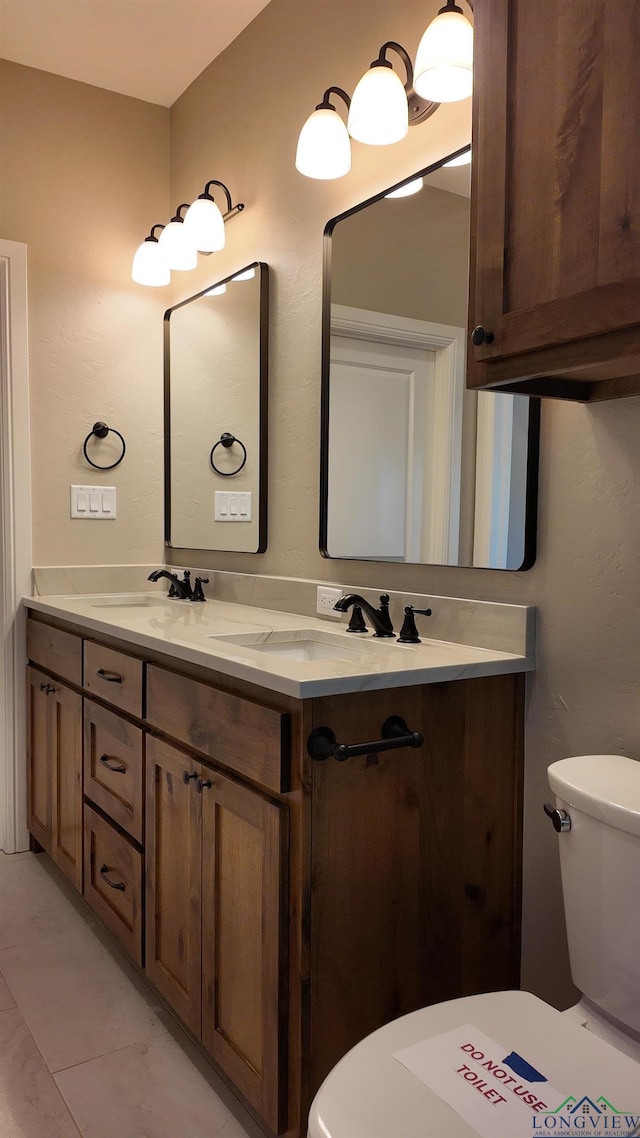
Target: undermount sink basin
<point>128,600</point>
<point>303,645</point>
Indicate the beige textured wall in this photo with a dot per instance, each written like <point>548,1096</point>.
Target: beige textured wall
<point>85,175</point>
<point>239,122</point>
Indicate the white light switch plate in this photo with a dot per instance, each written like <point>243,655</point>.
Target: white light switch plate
<point>94,503</point>
<point>232,506</point>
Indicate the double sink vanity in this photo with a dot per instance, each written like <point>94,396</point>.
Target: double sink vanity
<point>282,905</point>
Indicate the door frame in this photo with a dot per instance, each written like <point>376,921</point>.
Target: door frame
<point>15,541</point>
<point>448,343</point>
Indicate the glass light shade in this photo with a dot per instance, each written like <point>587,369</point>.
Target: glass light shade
<point>177,250</point>
<point>379,112</point>
<point>407,190</point>
<point>247,275</point>
<point>149,266</point>
<point>217,290</point>
<point>461,160</point>
<point>204,226</point>
<point>324,148</point>
<point>444,62</point>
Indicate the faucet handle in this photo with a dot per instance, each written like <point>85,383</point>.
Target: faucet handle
<point>173,592</point>
<point>186,585</point>
<point>409,632</point>
<point>198,594</point>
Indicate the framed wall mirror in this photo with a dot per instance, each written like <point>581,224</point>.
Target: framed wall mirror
<point>215,408</point>
<point>415,468</point>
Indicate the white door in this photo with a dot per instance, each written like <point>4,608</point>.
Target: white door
<point>378,408</point>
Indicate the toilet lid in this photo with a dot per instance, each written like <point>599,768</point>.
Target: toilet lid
<point>371,1094</point>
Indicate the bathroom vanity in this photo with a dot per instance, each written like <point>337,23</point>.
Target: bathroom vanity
<point>283,907</point>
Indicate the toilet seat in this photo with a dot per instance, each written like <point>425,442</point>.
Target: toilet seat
<point>369,1094</point>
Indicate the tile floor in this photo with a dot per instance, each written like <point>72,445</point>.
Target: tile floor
<point>85,1049</point>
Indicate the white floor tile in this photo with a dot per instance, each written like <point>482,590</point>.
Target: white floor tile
<point>77,1001</point>
<point>150,1090</point>
<point>32,904</point>
<point>31,1105</point>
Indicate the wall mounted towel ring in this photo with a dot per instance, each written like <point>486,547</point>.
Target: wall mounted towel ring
<point>100,431</point>
<point>227,440</point>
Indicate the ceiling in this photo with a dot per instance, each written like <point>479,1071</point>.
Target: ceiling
<point>150,49</point>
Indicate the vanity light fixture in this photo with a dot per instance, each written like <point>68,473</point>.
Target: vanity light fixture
<point>200,230</point>
<point>204,221</point>
<point>149,266</point>
<point>324,149</point>
<point>247,275</point>
<point>444,61</point>
<point>175,245</point>
<point>217,290</point>
<point>382,107</point>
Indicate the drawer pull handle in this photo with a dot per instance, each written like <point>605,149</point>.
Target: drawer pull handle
<point>104,869</point>
<point>118,769</point>
<point>203,784</point>
<point>47,688</point>
<point>110,677</point>
<point>188,775</point>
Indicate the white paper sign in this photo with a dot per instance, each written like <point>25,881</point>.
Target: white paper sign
<point>497,1092</point>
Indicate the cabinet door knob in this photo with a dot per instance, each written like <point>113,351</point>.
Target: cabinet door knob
<point>203,783</point>
<point>188,775</point>
<point>481,336</point>
<point>104,869</point>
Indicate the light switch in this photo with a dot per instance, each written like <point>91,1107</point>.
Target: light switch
<point>232,506</point>
<point>97,503</point>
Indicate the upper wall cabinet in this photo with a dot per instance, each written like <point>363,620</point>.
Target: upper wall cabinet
<point>555,249</point>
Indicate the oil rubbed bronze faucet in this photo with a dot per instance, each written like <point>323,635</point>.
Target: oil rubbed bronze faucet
<point>181,589</point>
<point>379,618</point>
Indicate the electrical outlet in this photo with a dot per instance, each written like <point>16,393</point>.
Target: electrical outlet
<point>326,599</point>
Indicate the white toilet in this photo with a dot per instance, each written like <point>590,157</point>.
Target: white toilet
<point>455,1070</point>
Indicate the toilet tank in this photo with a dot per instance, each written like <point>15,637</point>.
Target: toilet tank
<point>600,865</point>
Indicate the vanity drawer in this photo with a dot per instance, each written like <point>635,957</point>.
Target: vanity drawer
<point>60,652</point>
<point>113,881</point>
<point>114,676</point>
<point>113,776</point>
<point>242,735</point>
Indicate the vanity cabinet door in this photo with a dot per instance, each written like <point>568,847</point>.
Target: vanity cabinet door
<point>39,765</point>
<point>173,879</point>
<point>244,940</point>
<point>555,268</point>
<point>55,771</point>
<point>65,709</point>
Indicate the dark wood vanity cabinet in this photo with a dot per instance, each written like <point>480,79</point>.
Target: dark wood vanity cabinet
<point>285,907</point>
<point>555,242</point>
<point>216,906</point>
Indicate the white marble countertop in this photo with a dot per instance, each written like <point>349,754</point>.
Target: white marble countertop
<point>274,645</point>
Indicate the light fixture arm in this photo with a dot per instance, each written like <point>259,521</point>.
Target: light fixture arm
<point>231,208</point>
<point>451,6</point>
<point>419,109</point>
<point>327,105</point>
<point>177,215</point>
<point>152,236</point>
